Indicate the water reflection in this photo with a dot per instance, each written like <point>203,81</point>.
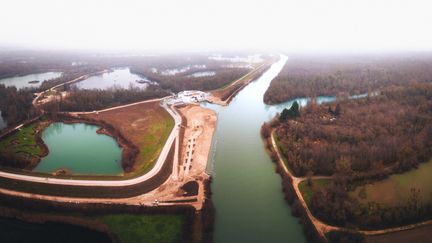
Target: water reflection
<point>119,78</point>
<point>23,81</point>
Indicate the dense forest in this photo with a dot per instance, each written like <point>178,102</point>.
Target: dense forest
<point>360,140</point>
<point>311,76</point>
<point>16,105</point>
<point>89,100</point>
<point>391,130</point>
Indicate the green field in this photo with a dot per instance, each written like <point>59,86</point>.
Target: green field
<point>397,188</point>
<point>22,143</point>
<point>307,191</point>
<point>156,137</point>
<point>146,228</point>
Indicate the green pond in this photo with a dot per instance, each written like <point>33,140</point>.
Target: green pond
<point>247,193</point>
<point>80,150</point>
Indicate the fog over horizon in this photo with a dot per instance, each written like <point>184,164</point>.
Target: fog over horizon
<point>196,25</point>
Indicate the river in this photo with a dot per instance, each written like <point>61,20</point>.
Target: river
<point>247,193</point>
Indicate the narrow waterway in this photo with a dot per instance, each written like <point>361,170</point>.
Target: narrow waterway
<point>247,192</point>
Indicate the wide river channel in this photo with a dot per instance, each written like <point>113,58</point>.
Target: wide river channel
<point>247,193</point>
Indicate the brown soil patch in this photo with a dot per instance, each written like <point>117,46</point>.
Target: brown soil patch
<point>201,123</point>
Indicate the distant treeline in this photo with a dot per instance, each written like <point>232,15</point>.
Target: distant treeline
<point>89,100</point>
<point>177,83</point>
<point>311,76</point>
<point>370,135</point>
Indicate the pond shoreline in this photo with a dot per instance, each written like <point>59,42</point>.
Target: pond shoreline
<point>129,150</point>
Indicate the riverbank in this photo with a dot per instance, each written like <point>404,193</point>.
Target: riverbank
<point>223,96</point>
<point>315,231</point>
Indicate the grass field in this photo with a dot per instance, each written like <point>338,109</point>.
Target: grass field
<point>23,143</point>
<point>307,191</point>
<point>146,125</point>
<point>73,226</point>
<point>397,188</point>
<point>146,228</point>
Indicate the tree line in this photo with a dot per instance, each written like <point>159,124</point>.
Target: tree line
<point>16,105</point>
<point>306,76</point>
<point>89,100</point>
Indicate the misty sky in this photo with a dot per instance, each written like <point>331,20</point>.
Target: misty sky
<point>202,24</point>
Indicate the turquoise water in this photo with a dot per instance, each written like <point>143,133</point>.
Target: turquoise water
<point>80,150</point>
<point>247,193</point>
<point>22,81</point>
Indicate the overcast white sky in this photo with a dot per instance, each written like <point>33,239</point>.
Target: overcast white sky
<point>199,24</point>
